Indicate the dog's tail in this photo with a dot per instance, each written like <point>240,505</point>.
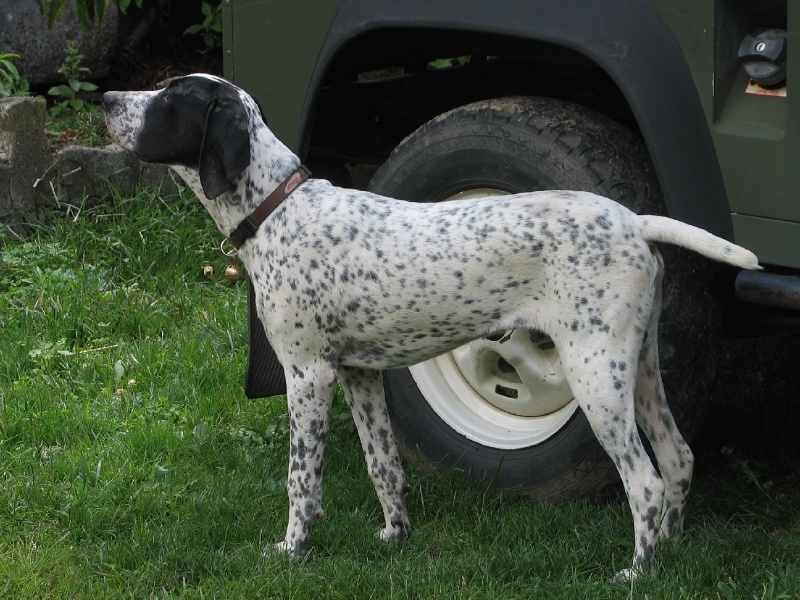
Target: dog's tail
<point>670,231</point>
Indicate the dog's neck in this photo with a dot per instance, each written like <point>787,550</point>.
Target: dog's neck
<point>270,164</point>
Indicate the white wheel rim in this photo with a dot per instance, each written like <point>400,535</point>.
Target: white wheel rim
<point>506,392</point>
<point>469,391</point>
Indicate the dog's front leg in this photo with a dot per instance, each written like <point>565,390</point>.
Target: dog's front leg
<point>363,390</point>
<point>309,394</point>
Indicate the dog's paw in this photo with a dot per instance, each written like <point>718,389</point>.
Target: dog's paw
<point>395,533</point>
<point>625,575</point>
<point>292,551</point>
<point>638,570</point>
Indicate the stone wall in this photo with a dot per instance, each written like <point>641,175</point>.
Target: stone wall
<point>32,178</point>
<point>24,156</point>
<point>24,31</point>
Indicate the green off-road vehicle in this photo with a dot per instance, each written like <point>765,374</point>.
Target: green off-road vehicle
<point>678,107</point>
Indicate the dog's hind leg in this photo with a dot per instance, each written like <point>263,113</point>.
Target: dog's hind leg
<point>363,390</point>
<point>603,384</point>
<point>310,391</point>
<point>673,455</point>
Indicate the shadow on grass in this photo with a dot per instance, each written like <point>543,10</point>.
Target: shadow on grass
<point>748,450</point>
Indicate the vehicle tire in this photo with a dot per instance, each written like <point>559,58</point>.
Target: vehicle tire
<point>469,409</point>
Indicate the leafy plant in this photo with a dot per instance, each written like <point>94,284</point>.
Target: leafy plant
<point>11,82</point>
<point>73,71</point>
<point>211,27</point>
<point>85,127</point>
<point>87,11</point>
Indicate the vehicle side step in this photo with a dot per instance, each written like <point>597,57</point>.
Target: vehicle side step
<point>768,289</point>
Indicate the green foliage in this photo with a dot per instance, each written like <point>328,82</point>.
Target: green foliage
<point>211,27</point>
<point>125,4</point>
<point>90,11</point>
<point>86,127</point>
<point>51,10</point>
<point>11,82</point>
<point>87,11</point>
<point>444,63</point>
<point>73,72</point>
<point>74,120</point>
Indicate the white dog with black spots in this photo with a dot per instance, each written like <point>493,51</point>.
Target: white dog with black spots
<point>349,283</point>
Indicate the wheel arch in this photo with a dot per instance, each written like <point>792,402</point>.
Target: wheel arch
<point>630,44</point>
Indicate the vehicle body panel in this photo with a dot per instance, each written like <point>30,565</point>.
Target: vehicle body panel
<point>723,157</point>
<point>757,137</point>
<point>270,48</point>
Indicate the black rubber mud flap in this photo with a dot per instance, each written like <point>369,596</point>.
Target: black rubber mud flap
<point>264,376</point>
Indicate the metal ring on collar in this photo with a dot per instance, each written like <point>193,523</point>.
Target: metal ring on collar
<point>227,248</point>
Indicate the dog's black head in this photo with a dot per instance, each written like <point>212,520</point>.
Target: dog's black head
<point>198,122</point>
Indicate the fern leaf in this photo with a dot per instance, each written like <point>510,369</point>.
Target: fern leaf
<point>53,10</point>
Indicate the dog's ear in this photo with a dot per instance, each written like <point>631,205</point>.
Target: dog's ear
<point>225,149</point>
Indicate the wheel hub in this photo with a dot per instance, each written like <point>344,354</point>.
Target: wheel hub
<point>515,374</point>
<point>505,392</point>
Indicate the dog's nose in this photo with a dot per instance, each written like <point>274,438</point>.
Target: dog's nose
<point>109,98</point>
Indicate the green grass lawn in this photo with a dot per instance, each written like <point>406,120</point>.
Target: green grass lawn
<point>132,465</point>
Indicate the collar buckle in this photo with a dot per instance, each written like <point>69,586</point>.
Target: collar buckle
<point>245,230</point>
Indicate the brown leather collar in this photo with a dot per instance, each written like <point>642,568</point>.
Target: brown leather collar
<point>249,226</point>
